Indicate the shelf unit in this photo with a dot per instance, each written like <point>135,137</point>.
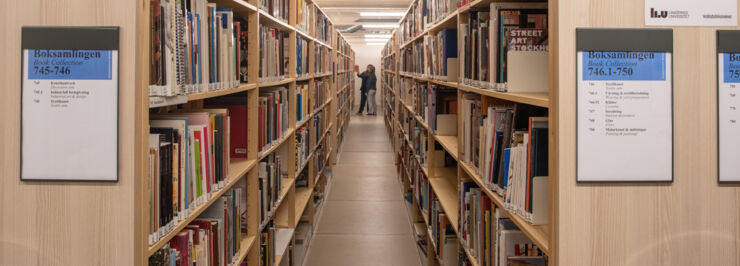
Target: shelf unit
<point>444,182</point>
<point>293,201</point>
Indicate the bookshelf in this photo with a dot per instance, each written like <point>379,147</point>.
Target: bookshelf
<point>587,224</point>
<point>400,102</point>
<point>98,223</point>
<point>291,200</point>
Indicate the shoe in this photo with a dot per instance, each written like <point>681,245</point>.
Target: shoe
<point>360,113</point>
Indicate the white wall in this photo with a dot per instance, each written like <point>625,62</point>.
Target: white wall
<point>364,55</point>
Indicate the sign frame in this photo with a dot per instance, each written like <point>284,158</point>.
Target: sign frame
<point>626,40</point>
<point>105,38</point>
<point>727,42</point>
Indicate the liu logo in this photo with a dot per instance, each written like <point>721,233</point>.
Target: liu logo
<point>658,14</point>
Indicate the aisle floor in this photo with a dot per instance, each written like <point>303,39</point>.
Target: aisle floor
<point>364,221</point>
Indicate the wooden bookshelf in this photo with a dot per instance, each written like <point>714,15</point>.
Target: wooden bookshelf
<point>237,169</point>
<point>444,182</point>
<point>538,233</point>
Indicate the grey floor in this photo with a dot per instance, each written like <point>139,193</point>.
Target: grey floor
<point>364,220</point>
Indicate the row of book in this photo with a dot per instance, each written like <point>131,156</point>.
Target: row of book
<point>388,47</point>
<point>417,135</point>
<point>273,54</point>
<point>276,8</point>
<point>311,98</point>
<point>320,154</point>
<point>343,63</point>
<point>389,64</point>
<point>271,173</point>
<point>308,137</point>
<point>301,65</point>
<point>507,145</point>
<point>437,10</point>
<point>214,238</point>
<point>413,58</point>
<point>322,27</point>
<point>303,146</point>
<point>272,117</point>
<point>490,236</point>
<point>303,15</point>
<point>441,55</point>
<point>195,47</point>
<point>189,156</point>
<point>342,45</point>
<point>442,110</point>
<point>267,244</point>
<point>506,48</point>
<point>322,60</point>
<point>442,234</point>
<point>344,79</point>
<point>413,24</point>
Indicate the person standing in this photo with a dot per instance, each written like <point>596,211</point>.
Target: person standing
<point>371,89</point>
<point>368,80</point>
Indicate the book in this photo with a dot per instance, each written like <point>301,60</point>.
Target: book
<point>301,57</point>
<point>195,47</point>
<point>273,54</point>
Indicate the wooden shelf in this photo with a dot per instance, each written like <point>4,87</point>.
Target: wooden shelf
<point>275,83</point>
<point>321,75</point>
<point>217,93</point>
<point>421,35</point>
<point>269,20</point>
<point>241,7</point>
<point>443,83</point>
<point>537,233</point>
<point>448,22</point>
<point>237,170</point>
<point>536,99</point>
<point>447,194</point>
<point>287,185</point>
<point>283,238</point>
<point>302,197</point>
<point>449,143</point>
<point>306,78</point>
<point>315,111</point>
<point>288,133</point>
<point>246,244</point>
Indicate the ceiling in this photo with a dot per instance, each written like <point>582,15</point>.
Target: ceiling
<point>346,16</point>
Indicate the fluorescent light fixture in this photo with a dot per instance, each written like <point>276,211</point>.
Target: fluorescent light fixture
<point>375,44</point>
<point>378,35</point>
<point>379,26</point>
<point>377,39</point>
<point>382,14</point>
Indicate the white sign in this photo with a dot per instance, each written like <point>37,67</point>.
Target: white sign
<point>691,13</point>
<point>69,115</point>
<point>625,129</point>
<point>729,116</point>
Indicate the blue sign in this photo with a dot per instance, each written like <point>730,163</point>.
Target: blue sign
<point>644,66</point>
<point>70,64</point>
<point>731,67</point>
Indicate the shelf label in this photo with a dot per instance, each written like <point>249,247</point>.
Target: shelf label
<point>691,13</point>
<point>729,116</point>
<point>69,115</point>
<point>624,116</point>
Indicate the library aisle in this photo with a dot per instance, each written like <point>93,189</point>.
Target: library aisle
<point>364,221</point>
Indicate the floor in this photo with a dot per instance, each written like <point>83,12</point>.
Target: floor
<point>364,221</point>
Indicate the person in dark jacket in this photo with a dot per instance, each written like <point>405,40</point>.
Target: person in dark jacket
<point>368,87</point>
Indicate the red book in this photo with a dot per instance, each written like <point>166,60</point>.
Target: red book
<point>238,125</point>
<point>204,224</point>
<point>209,178</point>
<point>260,127</point>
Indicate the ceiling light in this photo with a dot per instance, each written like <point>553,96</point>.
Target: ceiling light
<point>376,44</point>
<point>378,35</point>
<point>379,26</point>
<point>382,14</point>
